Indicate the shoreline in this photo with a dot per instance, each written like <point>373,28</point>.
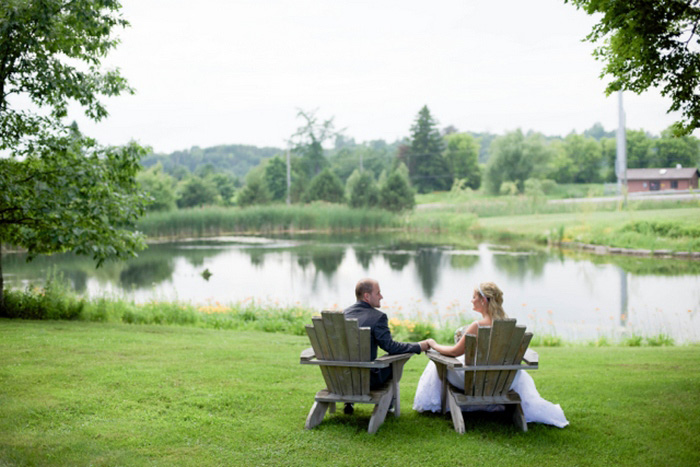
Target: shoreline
<point>603,250</point>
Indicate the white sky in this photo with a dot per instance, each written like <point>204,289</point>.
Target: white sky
<point>236,71</point>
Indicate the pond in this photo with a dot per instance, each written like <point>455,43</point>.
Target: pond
<point>574,296</point>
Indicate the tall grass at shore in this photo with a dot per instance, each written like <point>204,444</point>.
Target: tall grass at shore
<point>55,301</point>
<point>443,218</point>
<point>212,221</point>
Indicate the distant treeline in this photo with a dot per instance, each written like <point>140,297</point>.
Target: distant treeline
<point>236,159</point>
<point>332,167</point>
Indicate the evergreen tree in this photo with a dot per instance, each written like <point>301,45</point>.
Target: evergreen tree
<point>326,186</point>
<point>362,190</point>
<point>396,193</point>
<point>425,161</point>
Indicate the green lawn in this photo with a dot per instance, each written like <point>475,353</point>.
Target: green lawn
<point>78,393</point>
<point>600,227</point>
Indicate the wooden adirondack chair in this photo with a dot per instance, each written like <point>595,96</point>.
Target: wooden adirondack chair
<point>491,361</point>
<point>342,350</point>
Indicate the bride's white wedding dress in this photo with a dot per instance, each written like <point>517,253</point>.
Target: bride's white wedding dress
<point>535,408</point>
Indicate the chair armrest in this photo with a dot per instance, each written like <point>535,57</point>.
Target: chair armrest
<point>437,357</point>
<point>307,354</point>
<point>393,358</point>
<point>531,357</point>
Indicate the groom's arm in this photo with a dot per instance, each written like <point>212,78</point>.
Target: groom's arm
<point>382,336</point>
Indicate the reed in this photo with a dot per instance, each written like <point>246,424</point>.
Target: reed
<point>213,221</point>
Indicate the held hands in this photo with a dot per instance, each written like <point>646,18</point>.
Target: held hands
<point>427,344</point>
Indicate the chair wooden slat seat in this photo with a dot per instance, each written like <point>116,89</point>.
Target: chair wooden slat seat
<point>491,361</point>
<point>341,349</point>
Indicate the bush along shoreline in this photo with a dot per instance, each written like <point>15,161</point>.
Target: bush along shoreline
<point>55,301</point>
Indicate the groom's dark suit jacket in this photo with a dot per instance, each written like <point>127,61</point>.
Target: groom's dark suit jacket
<point>369,317</point>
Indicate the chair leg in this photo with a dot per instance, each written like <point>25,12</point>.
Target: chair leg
<point>318,411</point>
<point>331,407</point>
<point>380,410</point>
<point>519,417</point>
<point>455,412</point>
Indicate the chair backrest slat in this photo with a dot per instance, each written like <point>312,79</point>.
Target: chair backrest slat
<point>335,338</point>
<point>501,332</point>
<point>469,354</point>
<point>482,352</point>
<point>502,343</point>
<point>513,348</point>
<point>352,333</point>
<point>318,350</point>
<point>365,356</point>
<point>326,353</point>
<point>527,337</point>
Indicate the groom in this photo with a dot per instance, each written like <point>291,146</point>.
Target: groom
<point>365,311</point>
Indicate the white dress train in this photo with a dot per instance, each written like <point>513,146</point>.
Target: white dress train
<point>535,408</point>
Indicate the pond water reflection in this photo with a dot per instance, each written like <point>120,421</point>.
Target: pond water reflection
<point>570,295</point>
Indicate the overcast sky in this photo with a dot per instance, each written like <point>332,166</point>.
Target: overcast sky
<point>236,71</point>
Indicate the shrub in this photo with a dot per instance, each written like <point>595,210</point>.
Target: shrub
<point>326,186</point>
<point>53,301</point>
<point>396,193</point>
<point>362,190</point>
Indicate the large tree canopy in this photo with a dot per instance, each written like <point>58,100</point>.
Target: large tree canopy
<point>58,189</point>
<point>651,43</point>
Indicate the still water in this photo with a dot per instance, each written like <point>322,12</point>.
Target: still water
<point>572,296</point>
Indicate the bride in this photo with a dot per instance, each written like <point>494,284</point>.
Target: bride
<point>487,300</point>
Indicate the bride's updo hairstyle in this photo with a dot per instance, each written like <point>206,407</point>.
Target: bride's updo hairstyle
<point>494,297</point>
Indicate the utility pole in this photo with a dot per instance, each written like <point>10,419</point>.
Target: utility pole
<point>289,179</point>
<point>621,159</point>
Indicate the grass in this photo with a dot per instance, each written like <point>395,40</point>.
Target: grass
<point>616,229</point>
<point>213,221</point>
<point>79,393</point>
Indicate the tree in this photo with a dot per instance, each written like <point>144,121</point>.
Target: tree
<point>362,190</point>
<point>197,191</point>
<point>608,147</point>
<point>396,193</point>
<point>225,184</point>
<point>326,186</point>
<point>561,167</point>
<point>254,192</point>
<point>586,157</point>
<point>276,178</point>
<point>425,160</point>
<point>671,150</point>
<point>639,149</point>
<point>160,186</point>
<point>462,156</point>
<point>515,158</point>
<point>58,189</point>
<point>308,141</point>
<point>651,43</point>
